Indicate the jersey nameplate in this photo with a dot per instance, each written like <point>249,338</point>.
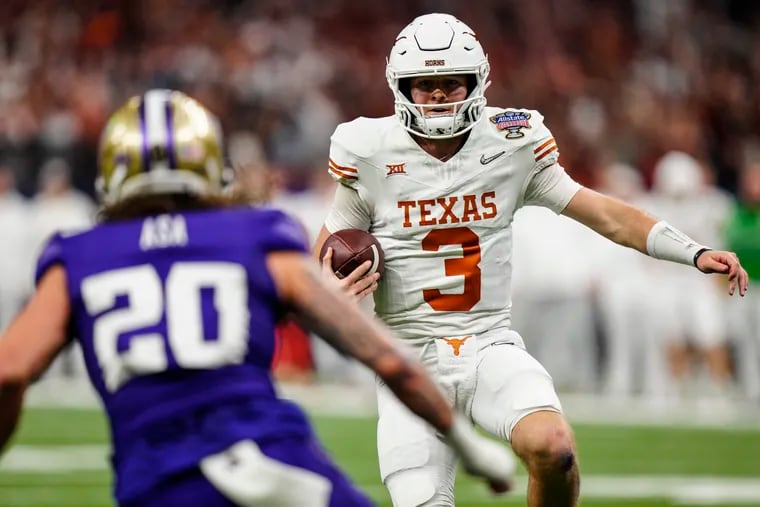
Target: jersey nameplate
<point>163,231</point>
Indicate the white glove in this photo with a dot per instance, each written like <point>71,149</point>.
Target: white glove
<point>481,456</point>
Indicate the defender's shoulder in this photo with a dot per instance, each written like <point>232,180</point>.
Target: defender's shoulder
<point>54,250</point>
<point>275,229</point>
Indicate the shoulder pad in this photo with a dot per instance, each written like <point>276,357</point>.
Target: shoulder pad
<point>363,136</point>
<point>353,143</point>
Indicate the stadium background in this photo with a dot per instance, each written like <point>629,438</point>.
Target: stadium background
<point>621,83</point>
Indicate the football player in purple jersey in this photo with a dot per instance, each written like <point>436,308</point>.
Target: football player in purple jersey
<point>173,297</point>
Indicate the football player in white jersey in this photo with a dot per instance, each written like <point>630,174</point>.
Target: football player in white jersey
<point>438,184</point>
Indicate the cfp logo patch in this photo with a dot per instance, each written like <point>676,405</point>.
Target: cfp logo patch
<point>513,122</point>
<point>395,169</point>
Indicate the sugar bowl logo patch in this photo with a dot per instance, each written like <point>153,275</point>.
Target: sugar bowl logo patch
<point>513,122</point>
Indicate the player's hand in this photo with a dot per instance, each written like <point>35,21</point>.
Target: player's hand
<point>727,263</point>
<point>356,285</point>
<point>481,456</point>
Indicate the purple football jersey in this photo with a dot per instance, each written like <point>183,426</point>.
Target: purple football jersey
<point>175,315</point>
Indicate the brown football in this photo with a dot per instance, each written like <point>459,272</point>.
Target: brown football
<point>352,247</point>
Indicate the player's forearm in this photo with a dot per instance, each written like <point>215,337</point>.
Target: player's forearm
<point>342,325</point>
<point>406,379</point>
<point>658,239</point>
<point>631,226</point>
<point>414,388</point>
<point>15,375</point>
<point>614,219</point>
<point>668,243</point>
<point>11,400</point>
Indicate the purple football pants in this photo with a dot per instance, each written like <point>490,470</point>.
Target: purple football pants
<point>191,488</point>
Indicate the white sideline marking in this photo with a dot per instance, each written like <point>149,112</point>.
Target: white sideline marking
<point>682,489</point>
<point>703,490</point>
<point>52,459</point>
<point>679,489</point>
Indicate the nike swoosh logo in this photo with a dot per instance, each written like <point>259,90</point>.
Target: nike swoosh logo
<point>487,160</point>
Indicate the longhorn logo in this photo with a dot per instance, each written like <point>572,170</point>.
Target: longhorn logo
<point>456,343</point>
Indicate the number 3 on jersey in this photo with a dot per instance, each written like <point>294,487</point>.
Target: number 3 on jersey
<point>180,301</point>
<point>467,265</point>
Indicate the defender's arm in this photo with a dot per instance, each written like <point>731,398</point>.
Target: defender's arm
<point>324,309</point>
<point>30,343</point>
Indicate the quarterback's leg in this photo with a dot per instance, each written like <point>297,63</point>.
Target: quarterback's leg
<point>515,400</point>
<point>417,467</point>
<point>544,441</point>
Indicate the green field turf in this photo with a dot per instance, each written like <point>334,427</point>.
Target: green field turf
<point>621,466</point>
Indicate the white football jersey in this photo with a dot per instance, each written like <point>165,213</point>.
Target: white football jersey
<point>445,227</point>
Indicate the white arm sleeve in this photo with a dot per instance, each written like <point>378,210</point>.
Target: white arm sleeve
<point>348,211</point>
<point>666,242</point>
<point>551,187</point>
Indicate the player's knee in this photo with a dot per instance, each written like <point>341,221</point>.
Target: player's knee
<point>418,487</point>
<point>555,455</point>
<point>548,449</point>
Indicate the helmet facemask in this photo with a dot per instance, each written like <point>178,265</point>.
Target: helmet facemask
<point>438,45</point>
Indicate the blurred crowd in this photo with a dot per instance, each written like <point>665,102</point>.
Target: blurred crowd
<point>623,80</point>
<point>630,89</point>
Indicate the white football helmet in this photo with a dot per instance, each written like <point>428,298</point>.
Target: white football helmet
<point>437,45</point>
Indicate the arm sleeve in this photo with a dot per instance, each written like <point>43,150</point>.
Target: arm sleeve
<point>51,255</point>
<point>548,184</point>
<point>551,187</point>
<point>348,211</point>
<point>342,164</point>
<point>352,205</point>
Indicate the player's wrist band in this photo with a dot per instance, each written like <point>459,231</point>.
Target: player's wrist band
<point>668,243</point>
<point>700,252</point>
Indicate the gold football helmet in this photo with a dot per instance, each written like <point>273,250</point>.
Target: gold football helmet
<point>157,143</point>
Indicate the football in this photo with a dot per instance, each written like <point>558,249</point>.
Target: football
<point>352,247</point>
